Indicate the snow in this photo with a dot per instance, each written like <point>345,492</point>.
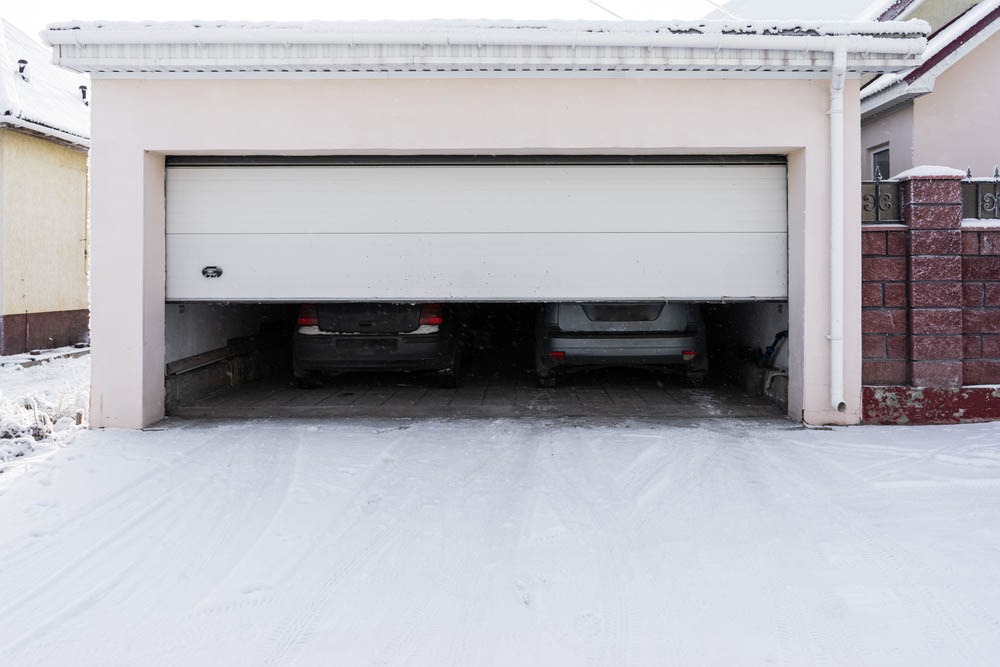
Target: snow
<point>501,542</point>
<point>42,407</point>
<point>929,171</point>
<point>49,102</point>
<point>938,41</point>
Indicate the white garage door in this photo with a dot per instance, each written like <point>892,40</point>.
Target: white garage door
<point>475,231</point>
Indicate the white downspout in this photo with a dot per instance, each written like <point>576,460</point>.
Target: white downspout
<point>837,193</point>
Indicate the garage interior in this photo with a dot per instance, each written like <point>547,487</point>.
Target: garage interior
<point>233,360</point>
<point>248,239</point>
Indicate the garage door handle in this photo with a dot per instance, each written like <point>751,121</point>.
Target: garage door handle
<point>212,271</point>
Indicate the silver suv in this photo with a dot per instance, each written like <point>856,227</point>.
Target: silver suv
<point>573,336</point>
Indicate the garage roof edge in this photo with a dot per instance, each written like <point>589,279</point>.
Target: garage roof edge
<point>480,47</point>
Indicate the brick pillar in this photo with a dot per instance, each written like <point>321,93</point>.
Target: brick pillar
<point>932,210</point>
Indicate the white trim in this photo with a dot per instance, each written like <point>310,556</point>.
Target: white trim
<point>50,132</point>
<point>976,223</point>
<point>890,89</point>
<point>495,49</point>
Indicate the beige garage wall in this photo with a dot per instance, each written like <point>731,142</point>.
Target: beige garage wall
<point>44,201</point>
<point>137,122</point>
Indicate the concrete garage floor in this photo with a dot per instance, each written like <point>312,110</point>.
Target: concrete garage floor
<point>606,393</point>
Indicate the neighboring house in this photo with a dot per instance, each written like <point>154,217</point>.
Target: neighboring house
<point>479,161</point>
<point>944,111</point>
<point>44,138</point>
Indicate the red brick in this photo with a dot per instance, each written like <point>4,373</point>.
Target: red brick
<point>981,268</point>
<point>872,243</point>
<point>935,347</point>
<point>896,347</point>
<point>936,294</point>
<point>894,295</point>
<point>895,243</point>
<point>936,242</point>
<point>871,294</point>
<point>936,268</point>
<point>972,347</point>
<point>991,347</point>
<point>938,191</point>
<point>972,294</point>
<point>992,294</point>
<point>970,243</point>
<point>933,216</point>
<point>936,321</point>
<point>883,372</point>
<point>979,320</point>
<point>981,372</point>
<point>883,268</point>
<point>873,346</point>
<point>883,321</point>
<point>989,243</point>
<point>936,373</point>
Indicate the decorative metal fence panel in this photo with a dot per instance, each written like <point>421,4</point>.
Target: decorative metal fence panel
<point>981,198</point>
<point>880,202</point>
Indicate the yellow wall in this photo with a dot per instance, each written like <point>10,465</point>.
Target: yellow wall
<point>44,219</point>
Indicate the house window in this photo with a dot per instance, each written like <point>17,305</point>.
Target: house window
<point>880,163</point>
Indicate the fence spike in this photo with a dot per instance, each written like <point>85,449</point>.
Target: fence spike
<point>968,172</point>
<point>996,173</point>
<point>878,174</point>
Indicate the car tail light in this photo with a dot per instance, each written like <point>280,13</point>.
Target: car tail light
<point>431,313</point>
<point>688,355</point>
<point>307,315</point>
<point>558,355</point>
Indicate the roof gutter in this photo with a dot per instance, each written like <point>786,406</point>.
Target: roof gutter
<point>45,131</point>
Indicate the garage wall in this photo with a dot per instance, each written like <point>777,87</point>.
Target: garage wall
<point>137,122</point>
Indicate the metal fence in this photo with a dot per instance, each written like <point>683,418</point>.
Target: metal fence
<point>880,199</point>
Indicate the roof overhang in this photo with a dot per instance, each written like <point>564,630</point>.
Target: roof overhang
<point>45,132</point>
<point>480,48</point>
<point>945,49</point>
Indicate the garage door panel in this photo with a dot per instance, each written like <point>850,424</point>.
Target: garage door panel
<point>503,267</point>
<point>486,199</point>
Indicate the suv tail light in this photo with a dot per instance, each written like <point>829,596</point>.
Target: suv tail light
<point>307,315</point>
<point>431,313</point>
<point>688,355</point>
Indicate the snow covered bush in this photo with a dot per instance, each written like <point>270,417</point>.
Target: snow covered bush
<point>42,406</point>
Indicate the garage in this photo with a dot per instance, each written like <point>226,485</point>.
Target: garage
<point>248,239</point>
<point>239,170</point>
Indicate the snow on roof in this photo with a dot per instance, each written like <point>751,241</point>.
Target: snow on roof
<point>46,99</point>
<point>487,46</point>
<point>888,10</point>
<point>944,49</point>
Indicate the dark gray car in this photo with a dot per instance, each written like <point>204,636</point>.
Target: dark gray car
<point>332,338</point>
<point>572,336</point>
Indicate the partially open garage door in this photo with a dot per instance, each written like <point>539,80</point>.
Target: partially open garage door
<point>535,230</point>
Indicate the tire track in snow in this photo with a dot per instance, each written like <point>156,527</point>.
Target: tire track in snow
<point>295,630</point>
<point>906,574</point>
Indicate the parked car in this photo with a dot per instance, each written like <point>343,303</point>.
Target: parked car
<point>574,336</point>
<point>332,338</point>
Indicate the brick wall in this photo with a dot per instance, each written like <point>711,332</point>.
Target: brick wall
<point>931,309</point>
<point>981,295</point>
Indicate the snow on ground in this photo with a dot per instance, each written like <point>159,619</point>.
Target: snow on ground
<point>41,406</point>
<point>505,542</point>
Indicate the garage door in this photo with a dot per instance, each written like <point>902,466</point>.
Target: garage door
<point>476,230</point>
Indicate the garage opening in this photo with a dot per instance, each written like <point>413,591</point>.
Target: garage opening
<point>483,242</point>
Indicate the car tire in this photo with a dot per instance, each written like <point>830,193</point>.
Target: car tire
<point>695,378</point>
<point>546,381</point>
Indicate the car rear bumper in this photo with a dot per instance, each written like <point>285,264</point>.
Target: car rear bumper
<point>334,352</point>
<point>608,350</point>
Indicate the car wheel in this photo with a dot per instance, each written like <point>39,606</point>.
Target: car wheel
<point>546,381</point>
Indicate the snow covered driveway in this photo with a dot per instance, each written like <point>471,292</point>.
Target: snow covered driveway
<point>504,542</point>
